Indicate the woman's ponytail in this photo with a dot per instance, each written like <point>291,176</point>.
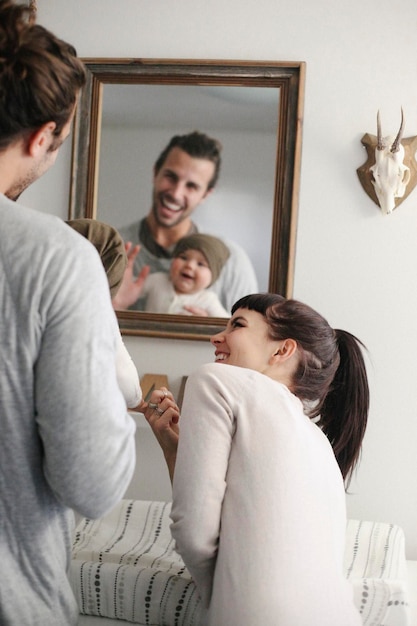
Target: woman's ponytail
<point>344,411</point>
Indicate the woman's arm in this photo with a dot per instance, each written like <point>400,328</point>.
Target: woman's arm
<point>200,474</point>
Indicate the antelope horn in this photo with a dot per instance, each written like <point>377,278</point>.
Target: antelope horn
<point>396,144</point>
<point>380,142</point>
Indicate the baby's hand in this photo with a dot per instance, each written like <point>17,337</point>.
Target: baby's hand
<point>195,310</point>
<point>130,288</point>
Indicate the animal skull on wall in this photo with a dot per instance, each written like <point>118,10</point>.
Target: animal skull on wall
<point>390,172</point>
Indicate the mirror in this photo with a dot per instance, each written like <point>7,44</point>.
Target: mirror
<point>128,111</point>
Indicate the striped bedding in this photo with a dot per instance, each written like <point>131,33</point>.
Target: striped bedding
<point>124,567</point>
<point>376,566</point>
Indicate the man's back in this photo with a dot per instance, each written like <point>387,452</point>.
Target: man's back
<point>67,441</point>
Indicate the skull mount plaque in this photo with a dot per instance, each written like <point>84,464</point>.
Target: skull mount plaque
<point>390,172</point>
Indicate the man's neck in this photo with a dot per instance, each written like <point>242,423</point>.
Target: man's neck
<point>12,168</point>
<point>168,236</point>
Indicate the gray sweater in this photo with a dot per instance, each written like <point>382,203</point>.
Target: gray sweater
<point>66,439</point>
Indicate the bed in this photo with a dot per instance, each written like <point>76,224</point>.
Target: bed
<point>125,567</point>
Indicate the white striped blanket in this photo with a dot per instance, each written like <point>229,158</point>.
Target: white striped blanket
<point>125,567</point>
<point>375,564</point>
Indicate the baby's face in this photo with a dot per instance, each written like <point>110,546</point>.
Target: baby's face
<point>190,272</point>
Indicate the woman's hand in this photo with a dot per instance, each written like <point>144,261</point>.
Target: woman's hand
<point>162,414</point>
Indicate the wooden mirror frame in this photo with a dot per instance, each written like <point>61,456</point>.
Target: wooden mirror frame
<point>288,77</point>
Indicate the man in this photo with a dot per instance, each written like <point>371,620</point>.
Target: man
<point>66,439</point>
<point>185,174</point>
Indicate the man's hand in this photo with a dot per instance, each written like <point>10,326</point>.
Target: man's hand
<point>130,288</point>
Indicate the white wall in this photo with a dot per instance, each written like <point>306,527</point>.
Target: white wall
<point>354,265</point>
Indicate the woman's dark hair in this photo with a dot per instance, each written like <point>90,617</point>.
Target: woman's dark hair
<point>331,378</point>
<point>196,145</point>
<point>40,75</point>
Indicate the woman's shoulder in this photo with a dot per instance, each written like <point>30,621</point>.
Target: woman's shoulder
<point>240,387</point>
<point>227,374</point>
<point>219,370</point>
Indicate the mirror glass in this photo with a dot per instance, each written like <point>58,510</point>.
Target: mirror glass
<point>139,120</point>
<point>127,115</point>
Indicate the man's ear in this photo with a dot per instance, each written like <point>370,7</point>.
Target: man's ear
<point>208,193</point>
<point>285,350</point>
<point>40,139</point>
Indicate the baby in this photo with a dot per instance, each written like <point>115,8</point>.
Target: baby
<point>196,264</point>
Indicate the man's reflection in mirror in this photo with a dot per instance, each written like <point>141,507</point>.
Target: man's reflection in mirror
<point>185,174</point>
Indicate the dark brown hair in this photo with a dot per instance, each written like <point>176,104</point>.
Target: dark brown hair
<point>40,75</point>
<point>331,378</point>
<point>196,145</point>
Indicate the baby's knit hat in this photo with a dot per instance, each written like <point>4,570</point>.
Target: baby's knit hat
<point>215,251</point>
<point>109,245</point>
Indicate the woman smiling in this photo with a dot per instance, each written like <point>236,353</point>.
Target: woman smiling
<point>259,485</point>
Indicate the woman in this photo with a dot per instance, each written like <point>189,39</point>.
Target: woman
<point>258,491</point>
